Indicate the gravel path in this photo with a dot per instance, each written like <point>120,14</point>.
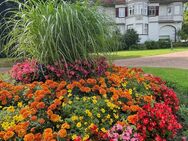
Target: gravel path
<point>172,60</point>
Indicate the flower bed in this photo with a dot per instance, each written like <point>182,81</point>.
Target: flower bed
<point>123,104</point>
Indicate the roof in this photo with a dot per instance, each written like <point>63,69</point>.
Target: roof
<point>115,2</point>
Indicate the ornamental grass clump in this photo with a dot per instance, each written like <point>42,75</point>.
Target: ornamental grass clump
<point>50,31</point>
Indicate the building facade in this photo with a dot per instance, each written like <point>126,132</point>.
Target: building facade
<point>152,19</point>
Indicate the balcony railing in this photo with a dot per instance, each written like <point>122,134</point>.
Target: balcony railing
<point>166,18</point>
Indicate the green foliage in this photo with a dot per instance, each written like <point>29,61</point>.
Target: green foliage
<point>50,31</point>
<point>183,33</point>
<point>130,38</point>
<point>157,44</point>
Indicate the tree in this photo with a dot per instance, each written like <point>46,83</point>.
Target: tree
<point>183,33</point>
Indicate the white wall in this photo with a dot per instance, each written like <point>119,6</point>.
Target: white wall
<point>153,31</point>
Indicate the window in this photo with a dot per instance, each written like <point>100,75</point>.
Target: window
<point>131,10</point>
<point>145,29</point>
<point>120,12</point>
<point>153,10</point>
<point>169,11</point>
<point>177,10</point>
<point>139,28</point>
<point>144,10</point>
<point>130,26</point>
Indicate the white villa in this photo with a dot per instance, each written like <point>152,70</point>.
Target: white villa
<point>152,19</point>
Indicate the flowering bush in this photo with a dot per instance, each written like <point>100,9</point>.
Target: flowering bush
<point>157,122</point>
<point>30,71</point>
<point>92,108</point>
<point>25,72</point>
<point>122,133</point>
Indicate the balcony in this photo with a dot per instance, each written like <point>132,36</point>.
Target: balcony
<point>170,18</point>
<point>166,18</point>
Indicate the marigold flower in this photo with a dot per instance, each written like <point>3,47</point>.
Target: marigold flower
<point>132,119</point>
<point>33,118</point>
<point>62,133</point>
<point>21,133</point>
<point>41,121</point>
<point>29,137</point>
<point>65,126</point>
<point>55,117</point>
<point>8,135</point>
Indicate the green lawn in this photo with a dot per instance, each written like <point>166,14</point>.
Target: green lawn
<point>177,78</point>
<point>143,53</point>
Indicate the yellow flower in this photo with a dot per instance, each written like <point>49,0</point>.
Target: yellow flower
<point>94,97</point>
<point>130,91</point>
<point>70,102</point>
<point>103,110</point>
<point>73,118</point>
<point>79,124</point>
<point>85,137</point>
<point>20,104</point>
<point>69,95</point>
<point>104,130</point>
<point>108,116</point>
<point>81,117</point>
<point>63,104</point>
<point>116,116</point>
<point>85,123</point>
<point>94,101</point>
<point>69,91</point>
<point>10,109</point>
<point>84,98</point>
<point>88,113</point>
<point>98,115</point>
<point>74,137</point>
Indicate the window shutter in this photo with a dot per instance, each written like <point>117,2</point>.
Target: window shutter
<point>157,10</point>
<point>117,12</point>
<point>126,11</point>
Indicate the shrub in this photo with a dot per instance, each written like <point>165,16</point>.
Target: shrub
<point>129,39</point>
<point>50,31</point>
<point>180,44</point>
<point>157,44</point>
<point>89,108</point>
<point>157,122</point>
<point>30,70</point>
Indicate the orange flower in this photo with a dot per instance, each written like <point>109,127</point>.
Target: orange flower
<point>134,108</point>
<point>41,105</point>
<point>52,107</point>
<point>21,133</point>
<point>70,86</point>
<point>55,118</point>
<point>49,112</point>
<point>41,121</point>
<point>2,133</point>
<point>29,137</point>
<point>62,133</point>
<point>91,81</point>
<point>47,135</point>
<point>33,118</point>
<point>48,130</point>
<point>115,97</point>
<point>125,108</point>
<point>65,126</point>
<point>8,135</point>
<point>61,93</point>
<point>38,137</point>
<point>102,91</point>
<point>85,89</point>
<point>16,98</point>
<point>148,98</point>
<point>57,102</point>
<point>132,119</point>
